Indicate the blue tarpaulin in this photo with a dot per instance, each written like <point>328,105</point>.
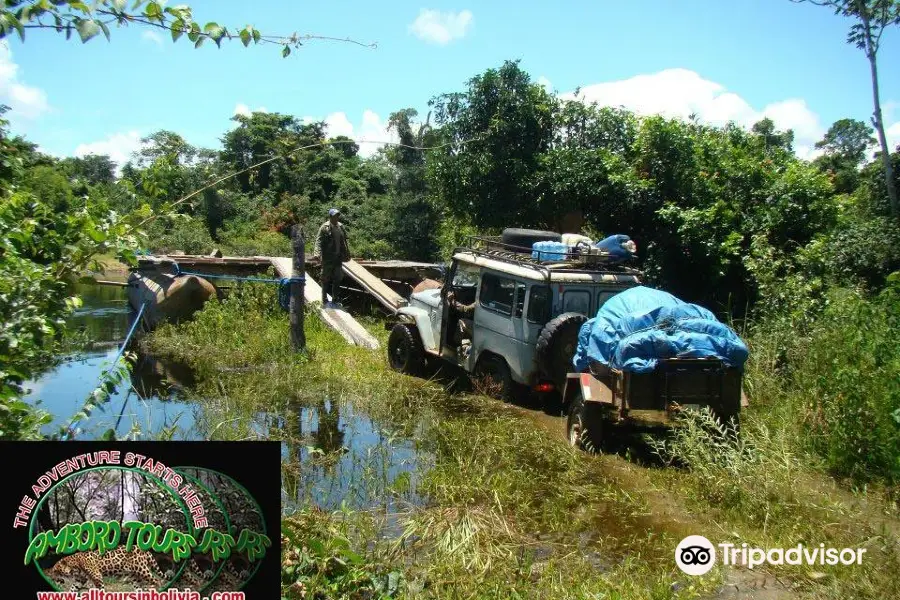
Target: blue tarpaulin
<point>637,327</point>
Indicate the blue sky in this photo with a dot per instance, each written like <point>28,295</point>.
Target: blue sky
<point>722,59</point>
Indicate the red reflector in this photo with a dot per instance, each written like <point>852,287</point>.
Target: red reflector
<point>544,387</point>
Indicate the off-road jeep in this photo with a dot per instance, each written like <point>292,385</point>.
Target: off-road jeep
<point>527,314</point>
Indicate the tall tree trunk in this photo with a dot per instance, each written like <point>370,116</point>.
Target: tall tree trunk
<point>877,120</point>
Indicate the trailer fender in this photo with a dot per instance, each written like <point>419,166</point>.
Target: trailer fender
<point>593,390</point>
<point>422,319</point>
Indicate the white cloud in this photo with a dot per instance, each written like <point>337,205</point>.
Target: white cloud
<point>543,81</point>
<point>370,133</point>
<point>118,146</point>
<point>244,110</point>
<point>682,92</point>
<point>893,136</point>
<point>26,102</point>
<point>153,37</point>
<point>441,28</point>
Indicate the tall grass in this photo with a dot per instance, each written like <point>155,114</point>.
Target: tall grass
<point>834,383</point>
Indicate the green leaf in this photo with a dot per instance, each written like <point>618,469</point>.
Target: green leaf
<point>256,35</point>
<point>105,30</point>
<point>80,6</point>
<point>245,37</point>
<point>286,52</point>
<point>120,4</point>
<point>199,41</point>
<point>177,29</point>
<point>19,28</point>
<point>153,11</point>
<point>87,28</point>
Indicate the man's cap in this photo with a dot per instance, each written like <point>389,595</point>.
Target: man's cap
<point>333,211</point>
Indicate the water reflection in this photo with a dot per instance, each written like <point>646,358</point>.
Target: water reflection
<point>150,402</point>
<point>333,454</point>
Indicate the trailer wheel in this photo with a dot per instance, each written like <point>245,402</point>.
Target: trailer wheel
<point>586,425</point>
<point>405,351</point>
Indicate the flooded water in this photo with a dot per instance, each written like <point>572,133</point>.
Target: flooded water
<point>150,401</point>
<point>337,454</point>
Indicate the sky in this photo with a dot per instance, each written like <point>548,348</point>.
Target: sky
<point>722,60</point>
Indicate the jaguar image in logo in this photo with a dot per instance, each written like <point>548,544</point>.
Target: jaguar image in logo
<point>695,555</point>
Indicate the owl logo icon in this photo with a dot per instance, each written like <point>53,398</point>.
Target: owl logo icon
<point>695,555</point>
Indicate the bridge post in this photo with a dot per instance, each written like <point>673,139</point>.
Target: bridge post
<point>296,309</point>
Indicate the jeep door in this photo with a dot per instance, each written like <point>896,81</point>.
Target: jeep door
<point>500,326</point>
<point>462,280</point>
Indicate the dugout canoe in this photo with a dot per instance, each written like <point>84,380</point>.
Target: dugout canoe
<point>167,297</point>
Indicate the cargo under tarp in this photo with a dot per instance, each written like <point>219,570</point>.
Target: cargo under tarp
<point>637,327</point>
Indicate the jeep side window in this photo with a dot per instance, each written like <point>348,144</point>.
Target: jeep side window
<point>497,293</point>
<point>539,304</point>
<point>578,301</point>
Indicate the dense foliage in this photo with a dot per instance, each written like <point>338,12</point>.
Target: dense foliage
<point>724,216</point>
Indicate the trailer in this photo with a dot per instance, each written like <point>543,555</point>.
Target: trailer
<point>603,400</point>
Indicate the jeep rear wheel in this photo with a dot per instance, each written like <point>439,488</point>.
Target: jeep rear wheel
<point>405,351</point>
<point>494,375</point>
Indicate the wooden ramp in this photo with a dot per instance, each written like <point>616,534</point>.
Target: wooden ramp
<point>336,318</point>
<point>388,298</point>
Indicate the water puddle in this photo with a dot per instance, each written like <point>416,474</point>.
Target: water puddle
<point>334,455</point>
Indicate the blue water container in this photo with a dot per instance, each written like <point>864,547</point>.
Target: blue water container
<point>549,251</point>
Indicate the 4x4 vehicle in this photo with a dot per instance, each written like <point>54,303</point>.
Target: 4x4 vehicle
<point>527,313</point>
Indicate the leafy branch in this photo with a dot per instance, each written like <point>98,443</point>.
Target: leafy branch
<point>76,16</point>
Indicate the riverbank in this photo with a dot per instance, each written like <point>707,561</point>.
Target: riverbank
<point>394,485</point>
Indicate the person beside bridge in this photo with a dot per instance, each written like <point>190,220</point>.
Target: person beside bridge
<point>332,250</point>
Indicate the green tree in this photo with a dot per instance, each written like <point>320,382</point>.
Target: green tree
<point>844,146</point>
<point>872,18</point>
<point>771,138</point>
<point>93,169</point>
<point>496,131</point>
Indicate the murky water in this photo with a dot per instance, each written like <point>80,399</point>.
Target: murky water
<point>149,402</point>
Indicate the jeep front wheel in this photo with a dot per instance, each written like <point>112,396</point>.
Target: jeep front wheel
<point>405,351</point>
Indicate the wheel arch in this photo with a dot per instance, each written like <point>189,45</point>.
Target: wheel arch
<point>421,319</point>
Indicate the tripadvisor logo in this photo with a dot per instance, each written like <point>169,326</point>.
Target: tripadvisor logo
<point>696,555</point>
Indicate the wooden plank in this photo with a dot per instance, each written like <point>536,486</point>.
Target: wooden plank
<point>375,286</point>
<point>338,319</point>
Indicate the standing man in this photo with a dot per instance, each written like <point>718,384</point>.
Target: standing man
<point>332,250</point>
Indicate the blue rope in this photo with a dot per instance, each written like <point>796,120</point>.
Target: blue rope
<point>284,283</point>
<point>119,354</point>
<point>134,325</point>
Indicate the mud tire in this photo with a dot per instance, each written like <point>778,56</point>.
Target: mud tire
<point>586,425</point>
<point>405,351</point>
<point>526,237</point>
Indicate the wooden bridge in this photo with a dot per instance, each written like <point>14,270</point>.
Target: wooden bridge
<point>156,282</point>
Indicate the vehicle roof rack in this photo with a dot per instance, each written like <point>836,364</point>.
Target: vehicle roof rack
<point>578,258</point>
